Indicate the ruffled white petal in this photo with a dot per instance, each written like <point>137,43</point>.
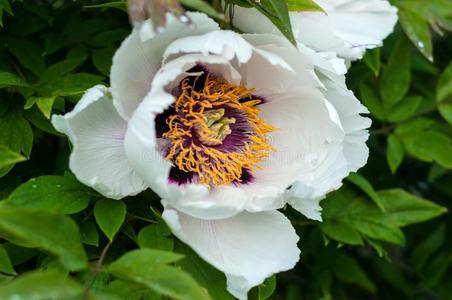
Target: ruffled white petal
<point>136,61</point>
<point>348,27</point>
<point>247,247</point>
<point>97,132</point>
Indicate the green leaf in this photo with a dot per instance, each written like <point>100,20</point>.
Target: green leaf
<point>204,7</point>
<point>404,208</point>
<point>35,117</point>
<point>394,153</point>
<point>55,71</point>
<point>10,79</point>
<point>71,84</point>
<point>426,140</point>
<point>366,187</point>
<point>405,109</point>
<point>416,27</point>
<point>45,104</point>
<point>121,5</point>
<point>152,236</point>
<point>5,263</point>
<point>41,285</point>
<point>28,54</point>
<point>206,275</point>
<point>8,157</point>
<point>102,59</point>
<point>428,247</point>
<point>277,12</point>
<point>342,232</point>
<point>348,270</point>
<point>89,234</point>
<point>4,6</point>
<point>15,133</point>
<point>444,87</point>
<point>445,109</point>
<point>267,288</point>
<point>303,5</point>
<point>55,233</point>
<point>373,61</point>
<point>371,101</point>
<point>396,76</point>
<point>62,194</point>
<point>157,276</point>
<point>110,214</point>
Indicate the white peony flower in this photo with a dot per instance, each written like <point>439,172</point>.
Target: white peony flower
<point>346,27</point>
<point>226,129</point>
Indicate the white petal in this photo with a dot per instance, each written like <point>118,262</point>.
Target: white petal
<point>348,27</point>
<point>97,132</point>
<point>136,61</point>
<point>248,247</point>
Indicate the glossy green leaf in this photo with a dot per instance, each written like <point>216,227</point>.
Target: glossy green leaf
<point>157,275</point>
<point>41,285</point>
<point>373,61</point>
<point>303,5</point>
<point>55,233</point>
<point>28,54</point>
<point>366,187</point>
<point>8,157</point>
<point>417,29</point>
<point>62,194</point>
<point>10,79</point>
<point>15,133</point>
<point>394,153</point>
<point>371,101</point>
<point>267,288</point>
<point>5,263</point>
<point>89,234</point>
<point>404,208</point>
<point>445,109</point>
<point>396,76</point>
<point>444,88</point>
<point>110,214</point>
<point>405,109</point>
<point>71,84</point>
<point>152,236</point>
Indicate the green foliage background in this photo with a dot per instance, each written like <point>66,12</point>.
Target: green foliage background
<point>62,240</point>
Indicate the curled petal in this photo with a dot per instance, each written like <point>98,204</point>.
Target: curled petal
<point>97,132</point>
<point>247,247</point>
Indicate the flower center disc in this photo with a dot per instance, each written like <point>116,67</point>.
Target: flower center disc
<point>214,130</point>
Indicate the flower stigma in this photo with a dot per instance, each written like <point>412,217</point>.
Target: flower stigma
<point>214,131</point>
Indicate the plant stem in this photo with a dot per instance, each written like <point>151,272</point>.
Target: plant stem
<point>96,270</point>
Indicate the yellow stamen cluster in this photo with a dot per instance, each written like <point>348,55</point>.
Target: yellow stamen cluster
<point>202,112</point>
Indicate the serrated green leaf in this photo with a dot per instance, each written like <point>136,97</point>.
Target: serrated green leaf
<point>55,233</point>
<point>110,214</point>
<point>394,153</point>
<point>62,194</point>
<point>8,157</point>
<point>41,285</point>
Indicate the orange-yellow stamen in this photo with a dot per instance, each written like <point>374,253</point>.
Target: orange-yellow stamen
<point>202,113</point>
